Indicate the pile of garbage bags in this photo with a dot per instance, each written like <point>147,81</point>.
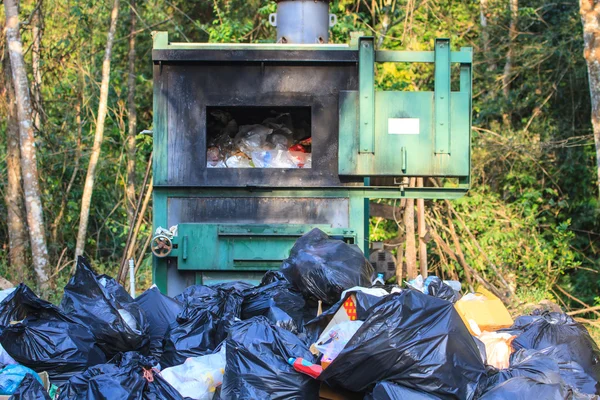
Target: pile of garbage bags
<point>275,143</point>
<point>317,325</point>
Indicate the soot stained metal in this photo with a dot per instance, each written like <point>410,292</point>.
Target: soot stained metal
<point>224,115</point>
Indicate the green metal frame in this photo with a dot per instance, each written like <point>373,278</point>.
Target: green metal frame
<point>440,148</point>
<point>235,249</point>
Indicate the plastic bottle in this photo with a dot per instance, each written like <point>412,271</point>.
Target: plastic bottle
<point>305,367</point>
<point>379,280</point>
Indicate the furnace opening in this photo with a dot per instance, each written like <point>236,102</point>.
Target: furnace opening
<point>258,137</point>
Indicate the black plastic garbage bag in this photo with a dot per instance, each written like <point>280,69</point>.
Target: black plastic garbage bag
<point>272,276</point>
<point>60,348</point>
<point>277,301</point>
<point>193,334</point>
<point>322,268</point>
<point>222,302</point>
<point>280,318</point>
<point>257,367</point>
<point>258,300</point>
<point>160,311</point>
<point>100,303</point>
<point>437,288</point>
<point>553,329</point>
<point>531,365</point>
<point>47,340</point>
<point>570,371</point>
<point>390,391</point>
<point>240,286</point>
<point>414,340</point>
<point>30,389</point>
<point>23,302</point>
<point>527,388</point>
<point>127,376</point>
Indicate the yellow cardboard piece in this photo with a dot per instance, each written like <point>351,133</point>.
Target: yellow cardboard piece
<point>485,309</point>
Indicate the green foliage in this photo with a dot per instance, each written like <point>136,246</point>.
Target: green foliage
<point>510,234</point>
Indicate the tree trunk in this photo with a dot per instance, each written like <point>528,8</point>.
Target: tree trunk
<point>590,16</point>
<point>130,190</point>
<point>31,185</point>
<point>88,189</point>
<point>422,232</point>
<point>512,36</point>
<point>37,30</point>
<point>409,224</point>
<point>17,227</point>
<point>485,36</point>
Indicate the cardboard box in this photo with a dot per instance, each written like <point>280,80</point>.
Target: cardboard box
<point>486,310</point>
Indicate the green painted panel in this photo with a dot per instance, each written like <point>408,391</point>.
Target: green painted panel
<point>212,247</point>
<point>419,158</point>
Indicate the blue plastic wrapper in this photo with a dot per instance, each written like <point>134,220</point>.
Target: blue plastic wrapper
<point>12,376</point>
<point>30,389</point>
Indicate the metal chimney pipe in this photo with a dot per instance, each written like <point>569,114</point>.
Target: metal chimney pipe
<point>303,21</point>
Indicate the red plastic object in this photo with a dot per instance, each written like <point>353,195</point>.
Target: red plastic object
<point>306,367</point>
<point>297,147</point>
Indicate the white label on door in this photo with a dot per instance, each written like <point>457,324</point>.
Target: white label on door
<point>403,126</point>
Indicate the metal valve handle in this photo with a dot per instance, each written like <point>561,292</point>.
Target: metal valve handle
<point>161,246</point>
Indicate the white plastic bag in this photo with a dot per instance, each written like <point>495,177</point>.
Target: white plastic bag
<point>238,161</point>
<point>198,377</point>
<point>379,292</point>
<point>332,341</point>
<point>251,138</point>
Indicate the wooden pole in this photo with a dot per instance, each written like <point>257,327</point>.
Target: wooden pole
<point>422,230</point>
<point>409,224</point>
